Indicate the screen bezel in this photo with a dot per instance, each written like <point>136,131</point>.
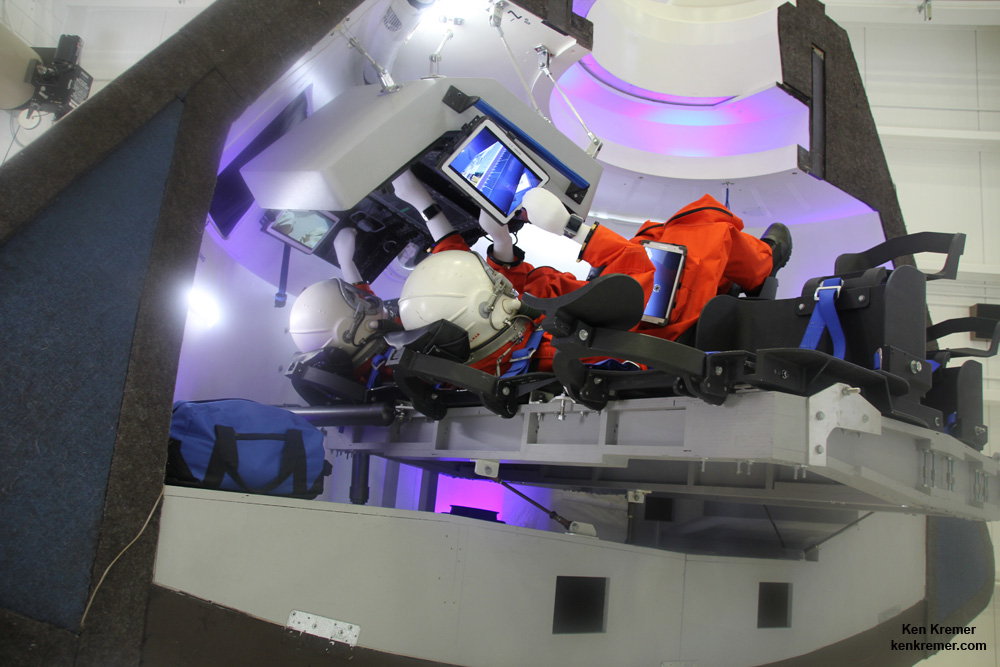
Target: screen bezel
<point>232,199</point>
<point>288,240</point>
<point>675,249</point>
<point>453,175</point>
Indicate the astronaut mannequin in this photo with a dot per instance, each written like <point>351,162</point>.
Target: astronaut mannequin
<point>719,255</point>
<point>344,315</point>
<point>481,297</point>
<point>341,315</point>
<point>457,285</point>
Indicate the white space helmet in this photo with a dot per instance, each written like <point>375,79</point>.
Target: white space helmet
<point>458,286</point>
<point>334,313</point>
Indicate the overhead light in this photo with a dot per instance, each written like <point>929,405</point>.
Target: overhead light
<point>203,308</point>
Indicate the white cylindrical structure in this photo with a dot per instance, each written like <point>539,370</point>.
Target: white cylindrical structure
<point>16,61</point>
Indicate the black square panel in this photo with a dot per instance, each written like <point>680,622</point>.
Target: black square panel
<point>580,605</point>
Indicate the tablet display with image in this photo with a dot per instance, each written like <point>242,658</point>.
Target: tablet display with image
<point>491,169</point>
<point>303,230</point>
<point>669,262</point>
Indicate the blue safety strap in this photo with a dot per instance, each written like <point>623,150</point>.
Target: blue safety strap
<point>377,362</point>
<point>951,422</point>
<point>824,317</point>
<point>521,358</point>
<point>281,297</point>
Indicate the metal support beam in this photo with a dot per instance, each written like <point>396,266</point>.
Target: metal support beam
<point>831,449</point>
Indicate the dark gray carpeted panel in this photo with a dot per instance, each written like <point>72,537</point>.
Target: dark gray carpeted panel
<point>69,293</point>
<point>960,570</point>
<point>558,14</point>
<point>184,630</point>
<point>25,642</point>
<point>115,623</point>
<point>855,162</point>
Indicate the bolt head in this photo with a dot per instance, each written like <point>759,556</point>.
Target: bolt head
<point>820,416</point>
<point>784,375</point>
<point>819,449</point>
<point>861,298</point>
<point>916,366</point>
<point>802,307</point>
<point>505,391</point>
<point>718,370</point>
<point>584,334</point>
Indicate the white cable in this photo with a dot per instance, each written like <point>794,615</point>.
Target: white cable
<point>517,69</point>
<point>108,568</point>
<point>591,135</point>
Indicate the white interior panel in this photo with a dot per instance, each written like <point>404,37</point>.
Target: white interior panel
<point>940,189</point>
<point>479,594</point>
<point>911,72</point>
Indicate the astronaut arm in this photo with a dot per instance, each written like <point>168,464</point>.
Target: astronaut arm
<point>544,210</point>
<point>615,253</point>
<point>503,246</point>
<point>412,191</point>
<point>343,246</point>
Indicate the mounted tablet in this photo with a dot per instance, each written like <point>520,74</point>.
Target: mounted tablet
<point>491,169</point>
<point>303,230</point>
<point>669,262</point>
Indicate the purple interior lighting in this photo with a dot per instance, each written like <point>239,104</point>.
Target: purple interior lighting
<point>582,7</point>
<point>594,68</point>
<point>488,495</point>
<point>481,494</point>
<point>765,121</point>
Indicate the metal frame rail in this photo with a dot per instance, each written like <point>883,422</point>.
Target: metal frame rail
<point>831,449</point>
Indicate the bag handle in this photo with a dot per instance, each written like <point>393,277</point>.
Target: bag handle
<point>225,460</point>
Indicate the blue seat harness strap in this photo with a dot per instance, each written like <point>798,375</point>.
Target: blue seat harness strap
<point>521,358</point>
<point>377,362</point>
<point>824,318</point>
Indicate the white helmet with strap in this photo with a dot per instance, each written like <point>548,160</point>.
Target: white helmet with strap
<point>460,287</point>
<point>334,313</point>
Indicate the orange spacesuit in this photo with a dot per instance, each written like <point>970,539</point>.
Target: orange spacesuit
<point>718,255</point>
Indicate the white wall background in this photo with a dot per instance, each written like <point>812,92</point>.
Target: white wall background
<point>934,89</point>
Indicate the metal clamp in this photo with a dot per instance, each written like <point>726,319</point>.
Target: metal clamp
<point>827,287</point>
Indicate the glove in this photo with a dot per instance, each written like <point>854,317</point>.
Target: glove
<point>544,210</point>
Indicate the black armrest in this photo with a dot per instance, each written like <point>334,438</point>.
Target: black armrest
<point>614,301</point>
<point>441,339</point>
<point>952,245</point>
<point>964,325</point>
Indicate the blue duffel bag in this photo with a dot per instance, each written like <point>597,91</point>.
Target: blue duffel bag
<point>240,445</point>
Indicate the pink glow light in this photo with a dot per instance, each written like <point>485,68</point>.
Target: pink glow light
<point>767,120</point>
<point>481,494</point>
<point>594,68</point>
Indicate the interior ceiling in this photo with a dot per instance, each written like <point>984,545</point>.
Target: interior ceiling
<point>111,28</point>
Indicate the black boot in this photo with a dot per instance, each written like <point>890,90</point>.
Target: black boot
<point>780,239</point>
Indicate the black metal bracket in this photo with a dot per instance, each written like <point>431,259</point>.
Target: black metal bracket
<point>458,101</point>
